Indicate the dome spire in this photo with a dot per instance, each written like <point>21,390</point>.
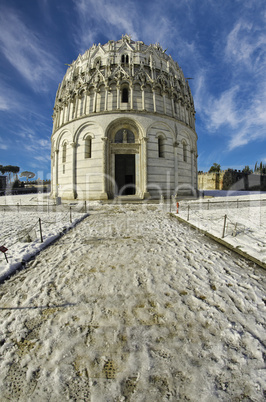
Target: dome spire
<point>126,38</point>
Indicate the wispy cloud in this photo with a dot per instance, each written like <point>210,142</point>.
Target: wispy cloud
<point>114,16</point>
<point>3,145</point>
<point>141,21</point>
<point>26,50</point>
<point>246,45</point>
<point>237,110</point>
<point>4,104</point>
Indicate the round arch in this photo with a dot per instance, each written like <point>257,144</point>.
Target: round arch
<point>158,127</point>
<point>124,123</point>
<point>68,138</point>
<point>85,128</point>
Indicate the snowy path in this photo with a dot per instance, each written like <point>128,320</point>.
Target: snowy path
<point>132,305</point>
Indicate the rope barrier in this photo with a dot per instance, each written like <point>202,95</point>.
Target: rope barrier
<point>26,232</point>
<point>230,225</point>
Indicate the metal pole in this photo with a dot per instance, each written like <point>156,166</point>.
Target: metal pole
<point>225,216</point>
<point>70,217</point>
<point>188,212</point>
<point>40,225</point>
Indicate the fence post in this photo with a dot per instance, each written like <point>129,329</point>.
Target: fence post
<point>85,206</point>
<point>188,212</point>
<point>225,216</point>
<point>40,226</point>
<point>70,214</point>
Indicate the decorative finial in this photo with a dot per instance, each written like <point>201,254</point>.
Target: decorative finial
<point>126,38</point>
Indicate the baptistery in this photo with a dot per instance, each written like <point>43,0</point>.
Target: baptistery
<point>123,125</point>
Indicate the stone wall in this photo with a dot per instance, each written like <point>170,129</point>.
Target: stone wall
<point>231,180</point>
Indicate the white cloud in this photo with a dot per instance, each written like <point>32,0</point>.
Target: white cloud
<point>25,50</point>
<point>116,18</point>
<point>246,46</point>
<point>223,110</point>
<point>110,18</point>
<point>3,146</point>
<point>43,158</point>
<point>4,104</point>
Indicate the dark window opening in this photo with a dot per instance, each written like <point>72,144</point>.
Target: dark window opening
<point>124,95</point>
<point>64,153</point>
<point>124,59</point>
<point>88,147</point>
<point>160,147</point>
<point>184,152</point>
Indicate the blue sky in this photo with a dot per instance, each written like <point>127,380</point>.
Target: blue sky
<point>221,44</point>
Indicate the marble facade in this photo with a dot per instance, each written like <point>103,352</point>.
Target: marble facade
<point>124,124</point>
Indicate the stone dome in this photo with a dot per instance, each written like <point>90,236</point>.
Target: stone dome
<point>124,124</point>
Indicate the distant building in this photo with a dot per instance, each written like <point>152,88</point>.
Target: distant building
<point>3,181</point>
<point>124,123</point>
<point>232,180</point>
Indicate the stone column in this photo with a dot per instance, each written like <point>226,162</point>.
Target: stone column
<point>106,99</point>
<point>57,119</point>
<point>76,107</point>
<point>154,99</point>
<point>176,166</point>
<point>94,101</point>
<point>60,116</point>
<point>118,96</point>
<point>186,115</point>
<point>63,114</point>
<point>74,170</point>
<point>143,97</point>
<point>164,104</point>
<point>193,126</point>
<point>104,194</point>
<point>131,97</point>
<point>144,168</point>
<point>192,169</point>
<point>179,110</point>
<point>56,171</point>
<point>85,102</point>
<point>173,106</point>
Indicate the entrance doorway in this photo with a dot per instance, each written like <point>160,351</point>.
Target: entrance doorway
<point>125,174</point>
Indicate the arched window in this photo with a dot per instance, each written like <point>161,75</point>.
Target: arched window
<point>64,153</point>
<point>184,152</point>
<point>160,147</point>
<point>125,95</point>
<point>88,147</point>
<point>124,59</point>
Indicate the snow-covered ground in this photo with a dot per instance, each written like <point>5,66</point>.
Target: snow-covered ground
<point>132,305</point>
<point>28,223</point>
<point>240,220</point>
